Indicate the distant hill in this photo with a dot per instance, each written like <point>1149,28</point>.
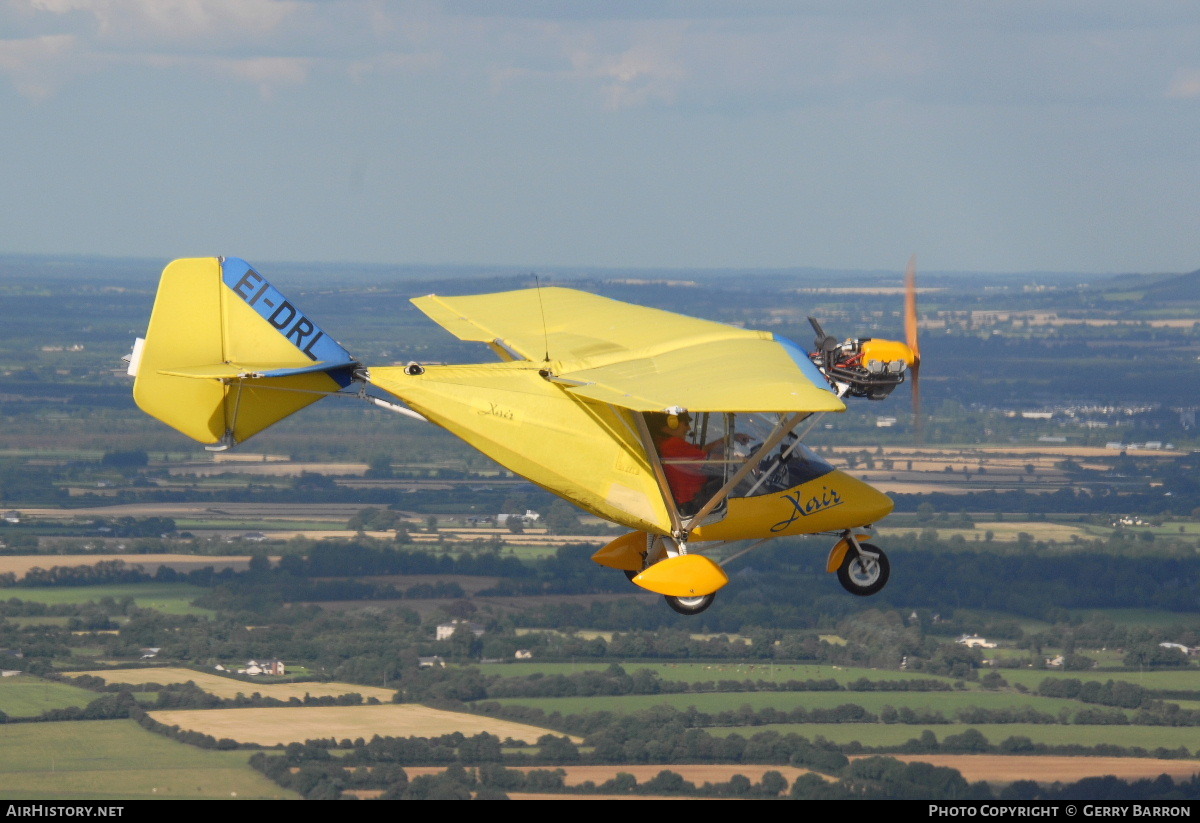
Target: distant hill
<point>1170,287</point>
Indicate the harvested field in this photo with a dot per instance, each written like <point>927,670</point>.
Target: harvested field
<point>259,511</point>
<point>527,796</point>
<point>1047,769</point>
<point>694,773</point>
<point>284,725</point>
<point>271,469</point>
<point>227,687</point>
<point>20,564</point>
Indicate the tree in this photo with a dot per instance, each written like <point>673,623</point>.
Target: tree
<point>561,518</point>
<point>380,466</point>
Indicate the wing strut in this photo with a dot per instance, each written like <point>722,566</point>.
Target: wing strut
<point>659,474</point>
<point>784,426</point>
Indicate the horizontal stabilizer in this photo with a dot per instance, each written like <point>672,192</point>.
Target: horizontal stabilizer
<point>226,354</point>
<point>248,371</point>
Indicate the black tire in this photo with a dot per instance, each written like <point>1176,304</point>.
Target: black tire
<point>862,575</point>
<point>690,605</point>
<point>630,574</point>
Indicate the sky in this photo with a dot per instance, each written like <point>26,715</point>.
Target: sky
<point>999,136</point>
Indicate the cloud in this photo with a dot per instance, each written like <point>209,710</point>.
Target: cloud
<point>38,66</point>
<point>1185,84</point>
<point>140,19</point>
<point>647,71</point>
<point>268,73</point>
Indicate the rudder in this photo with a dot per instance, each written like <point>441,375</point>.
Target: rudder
<point>226,354</point>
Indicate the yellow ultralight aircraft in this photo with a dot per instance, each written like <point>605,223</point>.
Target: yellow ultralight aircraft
<point>686,431</point>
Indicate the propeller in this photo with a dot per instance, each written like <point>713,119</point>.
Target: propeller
<point>910,332</point>
<point>826,344</point>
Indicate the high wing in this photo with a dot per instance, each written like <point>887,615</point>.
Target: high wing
<point>635,357</point>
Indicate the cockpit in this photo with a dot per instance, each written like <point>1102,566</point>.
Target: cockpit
<point>701,452</point>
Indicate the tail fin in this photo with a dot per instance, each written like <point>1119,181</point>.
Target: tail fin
<point>226,354</point>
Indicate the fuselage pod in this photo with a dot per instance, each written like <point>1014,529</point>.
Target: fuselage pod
<point>834,501</point>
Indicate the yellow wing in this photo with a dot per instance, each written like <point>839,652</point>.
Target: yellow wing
<point>638,358</point>
<point>587,452</point>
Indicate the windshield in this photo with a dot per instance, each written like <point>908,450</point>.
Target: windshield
<point>701,452</point>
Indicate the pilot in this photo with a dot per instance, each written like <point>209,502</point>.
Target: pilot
<point>682,460</point>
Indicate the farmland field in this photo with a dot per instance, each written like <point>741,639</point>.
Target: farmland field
<point>1183,679</point>
<point>897,734</point>
<point>272,726</point>
<point>697,773</point>
<point>700,672</point>
<point>713,702</point>
<point>227,687</point>
<point>1007,768</point>
<point>168,598</point>
<point>119,760</point>
<point>20,565</point>
<point>28,696</point>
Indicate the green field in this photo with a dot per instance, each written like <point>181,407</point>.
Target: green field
<point>168,598</point>
<point>119,760</point>
<point>1179,680</point>
<point>27,696</point>
<point>24,620</point>
<point>701,672</point>
<point>713,702</point>
<point>896,734</point>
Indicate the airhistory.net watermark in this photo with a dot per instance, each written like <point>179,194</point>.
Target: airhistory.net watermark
<point>46,810</point>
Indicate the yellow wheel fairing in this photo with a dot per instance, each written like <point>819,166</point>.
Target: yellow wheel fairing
<point>685,575</point>
<point>838,553</point>
<point>626,553</point>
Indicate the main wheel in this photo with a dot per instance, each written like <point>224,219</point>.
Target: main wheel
<point>690,605</point>
<point>862,574</point>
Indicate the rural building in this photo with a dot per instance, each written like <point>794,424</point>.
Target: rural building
<point>12,517</point>
<point>1190,651</point>
<point>446,630</point>
<point>256,667</point>
<point>530,516</point>
<point>975,642</point>
<point>523,654</point>
<point>430,662</point>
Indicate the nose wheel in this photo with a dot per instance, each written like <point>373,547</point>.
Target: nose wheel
<point>864,572</point>
<point>690,605</point>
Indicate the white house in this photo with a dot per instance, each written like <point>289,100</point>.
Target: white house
<point>257,667</point>
<point>446,630</point>
<point>975,642</point>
